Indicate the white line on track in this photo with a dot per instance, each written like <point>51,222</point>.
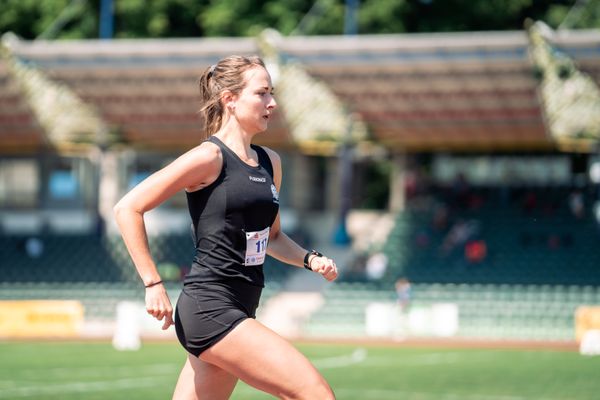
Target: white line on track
<point>365,393</point>
<point>99,371</point>
<point>359,355</point>
<point>80,387</point>
<point>413,361</point>
<point>391,394</point>
<point>26,387</point>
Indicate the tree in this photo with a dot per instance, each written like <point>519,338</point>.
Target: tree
<point>480,15</point>
<point>196,18</point>
<point>31,18</point>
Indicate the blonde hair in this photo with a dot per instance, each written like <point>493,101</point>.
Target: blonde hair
<point>227,74</point>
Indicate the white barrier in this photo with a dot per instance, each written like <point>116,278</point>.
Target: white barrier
<point>127,328</point>
<point>590,343</point>
<point>387,319</point>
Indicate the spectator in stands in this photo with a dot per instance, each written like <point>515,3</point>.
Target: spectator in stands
<point>459,234</point>
<point>476,251</point>
<point>529,202</point>
<point>376,266</point>
<point>100,226</point>
<point>553,241</point>
<point>460,191</point>
<point>355,271</point>
<point>422,239</point>
<point>403,294</point>
<point>576,204</point>
<point>440,217</point>
<point>232,190</point>
<point>34,247</point>
<point>596,210</point>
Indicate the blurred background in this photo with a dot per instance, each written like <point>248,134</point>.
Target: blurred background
<point>445,153</point>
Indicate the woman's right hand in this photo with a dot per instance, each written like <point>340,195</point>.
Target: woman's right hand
<point>158,305</point>
<point>324,266</point>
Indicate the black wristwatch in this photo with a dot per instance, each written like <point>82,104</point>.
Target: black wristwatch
<point>307,257</point>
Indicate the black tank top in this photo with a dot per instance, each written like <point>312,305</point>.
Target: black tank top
<point>231,219</point>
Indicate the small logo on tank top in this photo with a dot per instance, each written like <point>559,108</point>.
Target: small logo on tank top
<point>257,179</point>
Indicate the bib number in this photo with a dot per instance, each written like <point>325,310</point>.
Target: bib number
<point>256,247</point>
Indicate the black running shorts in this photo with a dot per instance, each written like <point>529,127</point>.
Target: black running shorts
<point>206,312</point>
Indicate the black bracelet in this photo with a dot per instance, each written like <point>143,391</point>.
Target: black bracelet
<point>307,257</point>
<point>153,284</point>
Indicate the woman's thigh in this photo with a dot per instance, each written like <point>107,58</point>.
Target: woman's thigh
<point>266,361</point>
<point>200,380</point>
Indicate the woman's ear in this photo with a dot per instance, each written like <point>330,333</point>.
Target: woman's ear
<point>228,100</point>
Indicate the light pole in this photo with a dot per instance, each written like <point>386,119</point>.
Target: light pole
<point>106,19</point>
<point>341,236</point>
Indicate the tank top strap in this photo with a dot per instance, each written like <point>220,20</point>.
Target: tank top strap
<point>263,159</point>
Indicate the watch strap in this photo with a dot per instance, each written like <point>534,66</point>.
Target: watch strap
<point>307,258</point>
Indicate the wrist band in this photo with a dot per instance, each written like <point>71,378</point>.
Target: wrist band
<point>153,284</point>
<point>307,257</point>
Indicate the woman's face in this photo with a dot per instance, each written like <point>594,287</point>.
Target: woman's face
<point>254,105</point>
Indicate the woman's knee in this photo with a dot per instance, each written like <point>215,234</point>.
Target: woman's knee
<point>321,392</point>
<point>317,389</point>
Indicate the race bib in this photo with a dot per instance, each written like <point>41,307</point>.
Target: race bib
<point>256,247</point>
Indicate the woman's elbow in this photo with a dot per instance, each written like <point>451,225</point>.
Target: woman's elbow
<point>274,235</point>
<point>117,209</point>
<point>120,209</point>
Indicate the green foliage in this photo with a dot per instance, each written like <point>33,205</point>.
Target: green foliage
<point>285,15</point>
<point>587,16</point>
<point>324,17</point>
<point>30,18</point>
<point>196,18</point>
<point>383,17</point>
<point>159,18</point>
<point>479,15</point>
<point>231,17</point>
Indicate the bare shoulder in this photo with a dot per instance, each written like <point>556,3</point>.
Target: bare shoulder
<point>205,162</point>
<point>275,159</point>
<point>206,152</point>
<point>205,155</point>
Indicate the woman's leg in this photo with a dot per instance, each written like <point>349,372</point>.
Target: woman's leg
<point>199,380</point>
<point>266,361</point>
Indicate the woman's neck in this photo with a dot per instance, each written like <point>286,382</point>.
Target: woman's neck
<point>238,141</point>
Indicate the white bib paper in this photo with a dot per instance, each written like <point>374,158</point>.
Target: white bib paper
<point>256,246</point>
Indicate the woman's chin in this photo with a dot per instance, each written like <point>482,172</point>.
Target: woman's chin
<point>262,128</point>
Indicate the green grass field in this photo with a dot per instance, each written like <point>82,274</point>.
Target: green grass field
<point>69,371</point>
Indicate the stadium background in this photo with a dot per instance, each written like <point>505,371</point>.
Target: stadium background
<point>444,151</point>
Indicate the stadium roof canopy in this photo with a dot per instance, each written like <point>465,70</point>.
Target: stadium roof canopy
<point>145,90</point>
<point>419,92</point>
<point>458,91</point>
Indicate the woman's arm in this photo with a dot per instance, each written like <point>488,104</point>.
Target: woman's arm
<point>193,170</point>
<point>283,248</point>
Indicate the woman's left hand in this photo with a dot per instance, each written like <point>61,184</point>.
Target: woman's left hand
<point>324,266</point>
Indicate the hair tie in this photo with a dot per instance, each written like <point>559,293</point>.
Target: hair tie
<point>212,70</point>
